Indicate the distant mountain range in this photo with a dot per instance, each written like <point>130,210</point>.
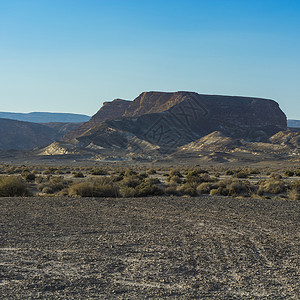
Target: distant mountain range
<point>45,117</point>
<point>19,135</point>
<point>158,125</point>
<point>293,123</point>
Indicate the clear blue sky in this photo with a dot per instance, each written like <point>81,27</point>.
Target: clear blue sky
<point>71,55</point>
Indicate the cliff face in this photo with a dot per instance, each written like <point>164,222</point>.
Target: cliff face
<point>170,120</point>
<point>109,111</point>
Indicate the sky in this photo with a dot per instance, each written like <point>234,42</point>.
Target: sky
<point>72,55</point>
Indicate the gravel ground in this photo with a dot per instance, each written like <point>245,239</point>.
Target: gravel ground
<point>157,247</point>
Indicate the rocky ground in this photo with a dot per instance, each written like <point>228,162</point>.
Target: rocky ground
<point>156,247</point>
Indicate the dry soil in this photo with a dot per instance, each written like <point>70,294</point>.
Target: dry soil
<point>154,248</point>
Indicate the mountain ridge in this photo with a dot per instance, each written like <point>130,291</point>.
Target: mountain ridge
<point>45,117</point>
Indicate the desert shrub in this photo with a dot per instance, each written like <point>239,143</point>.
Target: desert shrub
<point>229,172</point>
<point>97,188</point>
<point>288,173</point>
<point>142,175</point>
<point>271,186</point>
<point>172,190</point>
<point>98,172</point>
<point>116,177</point>
<point>83,189</point>
<point>30,177</point>
<point>294,194</point>
<point>151,171</point>
<point>238,187</point>
<point>297,172</point>
<point>130,172</point>
<point>174,180</point>
<point>222,191</point>
<point>152,181</point>
<point>106,190</point>
<point>204,188</point>
<point>50,170</point>
<point>78,175</point>
<point>54,184</point>
<point>188,189</point>
<point>254,171</point>
<point>11,186</point>
<point>241,174</point>
<point>194,177</point>
<point>294,190</point>
<point>275,176</point>
<point>175,172</point>
<point>149,188</point>
<point>47,190</point>
<point>131,181</point>
<point>127,192</point>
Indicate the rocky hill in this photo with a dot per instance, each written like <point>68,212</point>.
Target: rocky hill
<point>109,111</point>
<point>20,135</point>
<point>158,124</point>
<point>45,117</point>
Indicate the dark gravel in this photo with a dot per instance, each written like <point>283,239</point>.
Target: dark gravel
<point>159,247</point>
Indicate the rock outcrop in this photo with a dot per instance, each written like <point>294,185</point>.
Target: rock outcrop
<point>167,121</point>
<point>109,111</point>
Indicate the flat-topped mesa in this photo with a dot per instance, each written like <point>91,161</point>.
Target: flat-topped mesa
<point>224,111</point>
<point>170,120</point>
<point>153,102</point>
<point>109,111</point>
<point>181,117</point>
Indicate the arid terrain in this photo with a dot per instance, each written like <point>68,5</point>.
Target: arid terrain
<point>207,247</point>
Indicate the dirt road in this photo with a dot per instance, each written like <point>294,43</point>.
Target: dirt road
<point>158,247</point>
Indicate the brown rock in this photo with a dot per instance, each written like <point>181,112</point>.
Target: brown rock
<point>109,111</point>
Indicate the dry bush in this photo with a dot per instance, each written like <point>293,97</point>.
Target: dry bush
<point>188,189</point>
<point>172,190</point>
<point>238,187</point>
<point>294,194</point>
<point>221,191</point>
<point>151,171</point>
<point>229,172</point>
<point>294,190</point>
<point>288,173</point>
<point>131,181</point>
<point>53,184</point>
<point>174,180</point>
<point>175,172</point>
<point>96,188</point>
<point>205,188</point>
<point>78,175</point>
<point>83,189</point>
<point>275,176</point>
<point>149,187</point>
<point>98,172</point>
<point>194,177</point>
<point>11,186</point>
<point>271,186</point>
<point>127,192</point>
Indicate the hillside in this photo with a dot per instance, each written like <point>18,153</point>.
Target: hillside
<point>20,135</point>
<point>45,117</point>
<point>184,125</point>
